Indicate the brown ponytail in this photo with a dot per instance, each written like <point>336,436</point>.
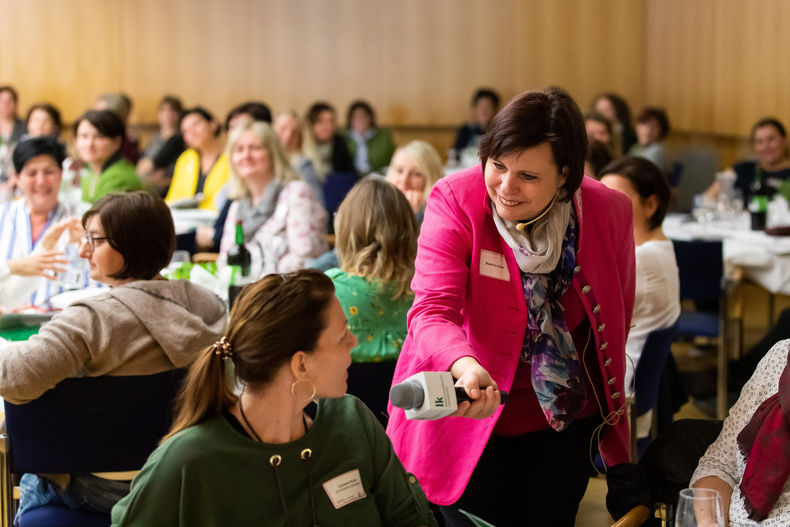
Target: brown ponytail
<point>271,320</point>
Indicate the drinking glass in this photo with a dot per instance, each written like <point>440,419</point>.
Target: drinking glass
<point>699,508</point>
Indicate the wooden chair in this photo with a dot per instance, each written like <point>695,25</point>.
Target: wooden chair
<point>101,425</point>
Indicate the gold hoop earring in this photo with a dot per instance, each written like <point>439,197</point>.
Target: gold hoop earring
<point>293,390</point>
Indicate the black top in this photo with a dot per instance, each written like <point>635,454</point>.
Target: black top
<point>744,176</point>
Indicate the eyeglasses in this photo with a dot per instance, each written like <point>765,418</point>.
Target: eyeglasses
<point>91,240</point>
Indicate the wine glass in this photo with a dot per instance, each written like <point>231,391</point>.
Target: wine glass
<point>699,508</point>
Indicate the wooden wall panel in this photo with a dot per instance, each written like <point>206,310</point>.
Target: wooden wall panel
<point>718,65</point>
<point>417,61</point>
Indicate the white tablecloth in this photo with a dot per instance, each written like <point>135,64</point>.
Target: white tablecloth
<point>188,220</point>
<point>764,259</point>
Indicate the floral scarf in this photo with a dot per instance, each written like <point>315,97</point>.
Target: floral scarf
<point>557,373</point>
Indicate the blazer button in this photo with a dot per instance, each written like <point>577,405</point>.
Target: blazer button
<point>577,268</point>
<point>597,308</point>
<point>607,362</point>
<point>611,381</point>
<point>601,327</point>
<point>615,395</point>
<point>604,345</point>
<point>586,289</point>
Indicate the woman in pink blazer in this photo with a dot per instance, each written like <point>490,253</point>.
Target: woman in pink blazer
<point>525,282</point>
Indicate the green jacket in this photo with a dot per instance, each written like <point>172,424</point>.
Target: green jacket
<point>117,177</point>
<point>378,321</point>
<point>380,148</point>
<point>211,474</point>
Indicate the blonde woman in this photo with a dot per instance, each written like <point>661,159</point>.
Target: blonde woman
<point>300,149</point>
<point>414,169</point>
<point>284,224</point>
<point>376,242</point>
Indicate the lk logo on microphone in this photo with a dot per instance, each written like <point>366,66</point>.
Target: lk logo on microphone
<point>439,401</point>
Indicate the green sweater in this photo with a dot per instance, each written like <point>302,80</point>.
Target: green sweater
<point>378,321</point>
<point>211,474</point>
<point>118,177</point>
<point>380,148</point>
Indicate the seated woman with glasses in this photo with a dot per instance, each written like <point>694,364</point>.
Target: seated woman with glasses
<point>291,448</point>
<point>143,325</point>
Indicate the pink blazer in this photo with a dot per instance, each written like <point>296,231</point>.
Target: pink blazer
<point>469,302</point>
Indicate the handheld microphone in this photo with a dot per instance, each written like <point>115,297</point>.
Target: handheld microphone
<point>430,395</point>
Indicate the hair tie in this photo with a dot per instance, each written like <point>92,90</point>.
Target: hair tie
<point>222,348</point>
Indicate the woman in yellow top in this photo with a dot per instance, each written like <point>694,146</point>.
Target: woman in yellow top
<point>202,168</point>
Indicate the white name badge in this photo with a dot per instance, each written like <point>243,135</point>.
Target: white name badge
<point>494,265</point>
<point>345,488</point>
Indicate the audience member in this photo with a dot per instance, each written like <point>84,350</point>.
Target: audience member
<point>414,169</point>
<point>43,119</point>
<point>293,135</point>
<point>252,111</point>
<point>657,296</point>
<point>772,163</point>
<point>121,105</point>
<point>599,128</point>
<point>284,224</point>
<point>652,127</point>
<point>270,455</point>
<point>25,222</point>
<point>98,135</point>
<point>376,241</point>
<point>485,103</point>
<point>598,156</point>
<point>614,108</point>
<point>505,298</point>
<point>143,324</point>
<point>202,170</point>
<point>370,146</point>
<point>159,157</point>
<point>11,128</point>
<point>748,463</point>
<point>331,153</point>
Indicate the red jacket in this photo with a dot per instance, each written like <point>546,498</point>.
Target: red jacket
<point>460,309</point>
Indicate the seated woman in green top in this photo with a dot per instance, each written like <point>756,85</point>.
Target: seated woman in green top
<point>98,136</point>
<point>370,146</point>
<point>269,456</point>
<point>376,241</point>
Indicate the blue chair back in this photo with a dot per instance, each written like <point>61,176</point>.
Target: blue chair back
<point>675,175</point>
<point>335,188</point>
<point>701,271</point>
<point>651,365</point>
<point>92,424</point>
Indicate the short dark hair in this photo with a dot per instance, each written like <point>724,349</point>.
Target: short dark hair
<point>53,113</point>
<point>140,227</point>
<point>106,122</point>
<point>10,89</point>
<point>486,93</point>
<point>257,110</point>
<point>202,112</point>
<point>647,179</point>
<point>598,117</point>
<point>598,156</point>
<point>316,109</point>
<point>37,146</point>
<point>659,116</point>
<point>538,117</point>
<point>360,105</point>
<point>173,102</point>
<point>768,121</point>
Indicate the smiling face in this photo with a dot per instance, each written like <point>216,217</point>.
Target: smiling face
<point>523,183</point>
<point>103,259</point>
<point>404,173</point>
<point>769,145</point>
<point>39,180</point>
<point>360,120</point>
<point>287,129</point>
<point>92,146</point>
<point>327,365</point>
<point>597,131</point>
<point>40,123</point>
<point>167,116</point>
<point>197,131</point>
<point>647,132</point>
<point>251,160</point>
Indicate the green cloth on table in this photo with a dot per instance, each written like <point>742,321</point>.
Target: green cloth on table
<point>19,333</point>
<point>211,474</point>
<point>378,321</point>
